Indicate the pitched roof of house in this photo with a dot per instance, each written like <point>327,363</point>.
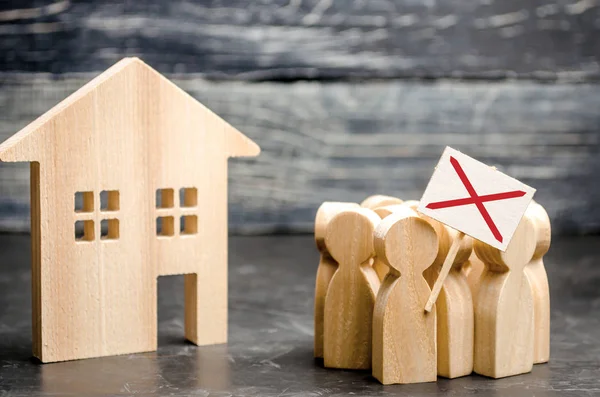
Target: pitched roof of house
<point>14,147</point>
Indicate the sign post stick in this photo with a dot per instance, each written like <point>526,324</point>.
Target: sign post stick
<point>439,283</point>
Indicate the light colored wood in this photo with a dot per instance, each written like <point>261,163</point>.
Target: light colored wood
<point>379,266</point>
<point>445,241</point>
<point>327,266</point>
<point>444,271</point>
<point>454,307</point>
<point>36,260</point>
<point>455,318</point>
<point>374,202</point>
<point>384,212</point>
<point>504,311</point>
<point>412,204</point>
<point>473,269</point>
<point>404,336</point>
<point>129,131</point>
<point>379,200</point>
<point>351,295</point>
<point>536,272</point>
<point>475,199</point>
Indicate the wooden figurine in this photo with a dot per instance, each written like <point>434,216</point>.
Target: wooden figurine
<point>379,266</point>
<point>539,282</point>
<point>404,335</point>
<point>454,307</point>
<point>327,266</point>
<point>351,295</point>
<point>379,200</point>
<point>473,270</point>
<point>504,319</point>
<point>455,318</point>
<point>373,203</point>
<point>98,161</point>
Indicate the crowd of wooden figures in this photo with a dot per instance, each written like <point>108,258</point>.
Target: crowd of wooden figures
<point>378,262</point>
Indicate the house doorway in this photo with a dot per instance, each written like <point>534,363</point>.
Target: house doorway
<point>171,310</point>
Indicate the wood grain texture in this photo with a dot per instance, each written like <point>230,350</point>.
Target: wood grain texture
<point>444,270</point>
<point>454,306</point>
<point>351,294</point>
<point>327,266</point>
<point>504,314</point>
<point>413,205</point>
<point>342,142</point>
<point>124,136</point>
<point>36,261</point>
<point>383,206</point>
<point>282,39</point>
<point>473,270</point>
<point>379,200</point>
<point>539,282</point>
<point>404,335</point>
<point>378,265</point>
<point>455,319</point>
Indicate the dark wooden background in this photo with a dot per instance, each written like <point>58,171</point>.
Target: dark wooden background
<point>346,97</point>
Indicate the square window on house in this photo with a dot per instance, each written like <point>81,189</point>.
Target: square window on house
<point>165,198</point>
<point>84,230</point>
<point>165,226</point>
<point>109,229</point>
<point>189,224</point>
<point>84,201</point>
<point>109,200</point>
<point>188,197</point>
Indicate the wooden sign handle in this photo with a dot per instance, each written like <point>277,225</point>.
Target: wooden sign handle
<point>439,283</point>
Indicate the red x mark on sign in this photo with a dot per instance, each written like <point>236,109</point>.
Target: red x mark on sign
<point>476,199</point>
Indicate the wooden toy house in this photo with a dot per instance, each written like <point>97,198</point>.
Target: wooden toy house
<point>135,151</point>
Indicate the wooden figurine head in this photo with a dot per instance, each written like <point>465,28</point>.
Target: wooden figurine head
<point>404,239</point>
<point>349,236</point>
<point>518,253</point>
<point>542,228</point>
<point>325,213</point>
<point>446,236</point>
<point>379,200</point>
<point>387,210</point>
<point>412,204</point>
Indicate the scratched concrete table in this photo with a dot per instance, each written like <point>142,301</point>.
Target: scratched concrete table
<point>270,335</point>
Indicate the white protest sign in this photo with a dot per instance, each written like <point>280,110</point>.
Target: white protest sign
<point>475,199</point>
